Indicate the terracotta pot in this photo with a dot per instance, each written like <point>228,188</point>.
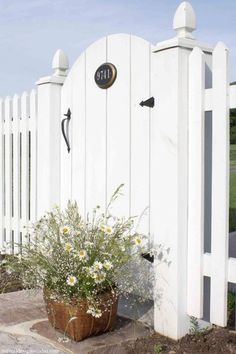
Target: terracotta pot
<point>82,325</point>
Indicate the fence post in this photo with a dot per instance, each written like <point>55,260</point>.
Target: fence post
<point>169,170</point>
<point>48,144</point>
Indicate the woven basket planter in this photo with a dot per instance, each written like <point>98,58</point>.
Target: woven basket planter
<point>82,325</point>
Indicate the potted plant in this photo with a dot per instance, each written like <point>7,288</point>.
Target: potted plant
<point>79,264</point>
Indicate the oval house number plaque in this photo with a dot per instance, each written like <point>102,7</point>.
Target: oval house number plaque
<point>105,75</point>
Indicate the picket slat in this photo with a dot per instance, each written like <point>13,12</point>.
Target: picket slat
<point>16,169</point>
<point>1,174</point>
<point>95,142</point>
<point>196,182</point>
<point>79,135</point>
<point>33,156</point>
<point>118,123</point>
<point>24,163</point>
<point>220,183</point>
<point>8,171</point>
<point>140,131</point>
<point>65,172</point>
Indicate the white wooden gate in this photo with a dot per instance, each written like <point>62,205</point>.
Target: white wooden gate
<point>109,131</point>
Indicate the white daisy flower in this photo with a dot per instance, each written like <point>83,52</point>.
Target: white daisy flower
<point>65,230</point>
<point>94,312</point>
<point>71,280</point>
<point>82,254</point>
<point>93,273</point>
<point>138,241</point>
<point>100,277</point>
<point>97,265</point>
<point>108,265</point>
<point>109,230</point>
<point>68,247</point>
<point>98,313</point>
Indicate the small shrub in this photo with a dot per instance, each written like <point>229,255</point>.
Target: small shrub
<point>195,328</point>
<point>157,348</point>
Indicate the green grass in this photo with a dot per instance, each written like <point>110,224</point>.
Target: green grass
<point>232,202</point>
<point>233,155</point>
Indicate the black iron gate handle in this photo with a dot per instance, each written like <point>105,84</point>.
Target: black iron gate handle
<point>65,134</point>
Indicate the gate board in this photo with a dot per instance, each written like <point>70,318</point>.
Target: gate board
<point>109,130</point>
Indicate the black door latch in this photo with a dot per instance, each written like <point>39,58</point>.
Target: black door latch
<point>66,133</point>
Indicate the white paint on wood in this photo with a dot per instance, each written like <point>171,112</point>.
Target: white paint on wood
<point>118,123</point>
<point>60,63</point>
<point>33,155</point>
<point>184,22</point>
<point>65,167</point>
<point>96,127</point>
<point>2,113</point>
<point>48,142</point>
<point>95,166</point>
<point>220,186</point>
<point>196,182</point>
<point>16,169</point>
<point>209,98</point>
<point>169,186</point>
<point>140,130</point>
<point>78,130</point>
<point>8,169</point>
<point>208,267</point>
<point>24,164</point>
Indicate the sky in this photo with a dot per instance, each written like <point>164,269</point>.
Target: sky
<point>32,30</point>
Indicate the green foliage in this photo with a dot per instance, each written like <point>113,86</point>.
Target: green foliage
<point>9,281</point>
<point>233,126</point>
<point>232,200</point>
<point>75,258</point>
<point>233,135</point>
<point>233,155</point>
<point>195,328</point>
<point>157,348</point>
<point>231,301</point>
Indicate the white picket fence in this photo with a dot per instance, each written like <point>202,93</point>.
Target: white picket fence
<point>216,264</point>
<point>18,144</point>
<point>189,80</point>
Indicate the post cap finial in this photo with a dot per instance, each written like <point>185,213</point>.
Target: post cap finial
<point>184,22</point>
<point>60,63</point>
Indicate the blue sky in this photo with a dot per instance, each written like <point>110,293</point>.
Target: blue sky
<point>32,30</point>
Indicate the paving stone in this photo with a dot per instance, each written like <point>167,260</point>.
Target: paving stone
<point>11,344</point>
<point>24,328</point>
<point>21,306</point>
<point>107,343</point>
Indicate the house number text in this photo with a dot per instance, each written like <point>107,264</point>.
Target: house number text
<point>105,75</point>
